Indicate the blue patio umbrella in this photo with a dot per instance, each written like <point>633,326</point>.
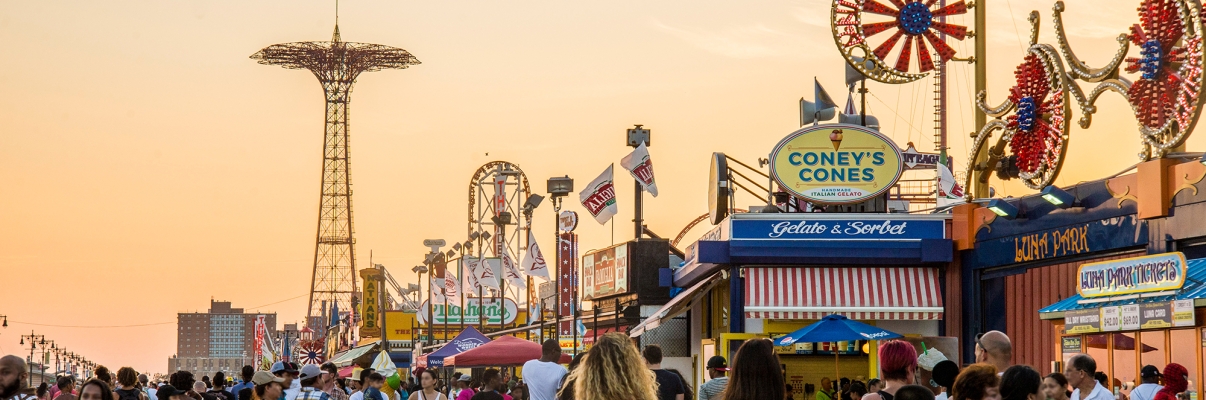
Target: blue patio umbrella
<point>835,328</point>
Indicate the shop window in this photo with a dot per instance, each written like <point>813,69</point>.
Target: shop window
<point>1125,361</point>
<point>1153,348</point>
<point>1097,346</point>
<point>1184,342</point>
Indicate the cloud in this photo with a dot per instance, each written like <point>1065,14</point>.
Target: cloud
<point>751,41</point>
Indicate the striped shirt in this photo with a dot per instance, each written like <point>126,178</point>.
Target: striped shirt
<point>712,389</point>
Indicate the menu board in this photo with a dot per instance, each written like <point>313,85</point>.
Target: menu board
<point>1082,321</point>
<point>1133,317</point>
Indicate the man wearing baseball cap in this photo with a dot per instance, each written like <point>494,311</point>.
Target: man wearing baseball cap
<point>311,384</point>
<point>713,389</point>
<point>1151,384</point>
<point>286,371</point>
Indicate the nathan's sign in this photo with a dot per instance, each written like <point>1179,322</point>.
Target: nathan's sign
<point>836,164</point>
<point>1154,273</point>
<point>494,311</point>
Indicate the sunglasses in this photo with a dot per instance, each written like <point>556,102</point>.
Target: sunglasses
<point>978,342</point>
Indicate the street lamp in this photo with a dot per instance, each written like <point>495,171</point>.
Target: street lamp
<point>558,187</point>
<point>33,345</point>
<point>422,269</point>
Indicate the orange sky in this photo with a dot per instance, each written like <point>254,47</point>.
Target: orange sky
<point>149,165</point>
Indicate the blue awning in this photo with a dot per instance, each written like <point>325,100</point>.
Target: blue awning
<point>1194,289</point>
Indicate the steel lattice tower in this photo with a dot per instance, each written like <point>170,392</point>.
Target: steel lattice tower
<point>336,64</point>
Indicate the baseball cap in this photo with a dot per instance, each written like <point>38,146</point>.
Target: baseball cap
<point>166,392</point>
<point>1150,371</point>
<point>311,371</point>
<point>465,378</point>
<point>282,367</point>
<point>718,363</point>
<point>265,377</point>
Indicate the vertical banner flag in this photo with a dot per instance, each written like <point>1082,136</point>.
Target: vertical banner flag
<point>487,273</point>
<point>641,167</point>
<point>533,261</point>
<point>368,307</point>
<point>450,288</point>
<point>949,192</point>
<point>511,271</point>
<point>599,196</point>
<point>472,285</point>
<point>258,342</point>
<point>567,276</point>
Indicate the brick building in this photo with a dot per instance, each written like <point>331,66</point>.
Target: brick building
<point>219,339</point>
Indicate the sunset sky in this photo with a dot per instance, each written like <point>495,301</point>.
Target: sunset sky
<point>149,165</point>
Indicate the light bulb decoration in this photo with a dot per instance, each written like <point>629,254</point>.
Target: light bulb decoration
<point>1033,121</point>
<point>913,21</point>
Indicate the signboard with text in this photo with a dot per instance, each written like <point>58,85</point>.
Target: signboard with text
<point>494,312</point>
<point>836,163</point>
<point>370,303</point>
<point>1153,273</point>
<point>1132,317</point>
<point>605,272</point>
<point>820,228</point>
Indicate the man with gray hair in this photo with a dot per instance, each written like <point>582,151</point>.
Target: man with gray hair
<point>995,348</point>
<point>13,375</point>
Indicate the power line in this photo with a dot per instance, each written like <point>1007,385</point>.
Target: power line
<point>141,325</point>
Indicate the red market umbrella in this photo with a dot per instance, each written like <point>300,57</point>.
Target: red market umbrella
<point>1121,342</point>
<point>506,351</point>
<point>346,372</point>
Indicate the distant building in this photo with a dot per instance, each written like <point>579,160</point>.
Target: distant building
<point>221,339</point>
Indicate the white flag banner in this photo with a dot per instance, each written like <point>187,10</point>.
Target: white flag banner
<point>641,167</point>
<point>599,196</point>
<point>533,260</point>
<point>451,290</point>
<point>511,271</point>
<point>949,192</point>
<point>487,273</point>
<point>471,267</point>
<point>437,291</point>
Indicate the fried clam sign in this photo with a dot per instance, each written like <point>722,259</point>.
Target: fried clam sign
<point>836,164</point>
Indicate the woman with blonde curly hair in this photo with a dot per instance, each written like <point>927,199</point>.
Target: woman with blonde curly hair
<point>613,370</point>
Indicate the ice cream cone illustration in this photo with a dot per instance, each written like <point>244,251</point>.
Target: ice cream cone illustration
<point>836,138</point>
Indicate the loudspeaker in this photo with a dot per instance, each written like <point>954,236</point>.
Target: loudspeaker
<point>855,119</point>
<point>809,112</point>
<point>852,75</point>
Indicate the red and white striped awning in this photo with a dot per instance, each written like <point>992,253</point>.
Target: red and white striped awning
<point>896,293</point>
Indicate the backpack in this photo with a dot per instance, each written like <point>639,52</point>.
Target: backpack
<point>133,394</point>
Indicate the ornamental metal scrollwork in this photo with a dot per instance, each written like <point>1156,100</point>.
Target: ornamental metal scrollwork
<point>914,21</point>
<point>1034,121</point>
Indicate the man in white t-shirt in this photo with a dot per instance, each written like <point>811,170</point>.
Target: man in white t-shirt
<point>1151,384</point>
<point>1080,372</point>
<point>543,376</point>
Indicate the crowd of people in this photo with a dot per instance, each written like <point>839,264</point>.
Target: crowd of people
<point>616,369</point>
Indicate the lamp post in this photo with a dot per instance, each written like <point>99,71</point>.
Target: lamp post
<point>422,269</point>
<point>637,136</point>
<point>529,207</point>
<point>558,188</point>
<point>33,345</point>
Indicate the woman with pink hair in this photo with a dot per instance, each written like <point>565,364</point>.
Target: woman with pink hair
<point>897,367</point>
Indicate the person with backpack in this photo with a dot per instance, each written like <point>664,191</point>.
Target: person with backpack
<point>219,388</point>
<point>127,388</point>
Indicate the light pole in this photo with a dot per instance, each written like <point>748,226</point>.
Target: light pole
<point>529,207</point>
<point>636,136</point>
<point>422,269</point>
<point>558,188</point>
<point>33,345</point>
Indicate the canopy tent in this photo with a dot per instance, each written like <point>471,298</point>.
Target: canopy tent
<point>506,351</point>
<point>356,355</point>
<point>466,340</point>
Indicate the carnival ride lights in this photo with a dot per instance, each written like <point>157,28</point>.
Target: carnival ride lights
<point>913,21</point>
<point>1002,208</point>
<point>1165,98</point>
<point>1058,197</point>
